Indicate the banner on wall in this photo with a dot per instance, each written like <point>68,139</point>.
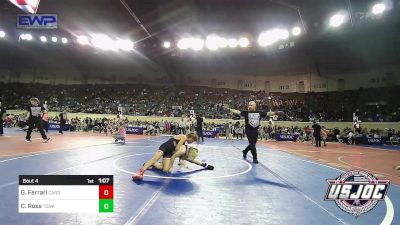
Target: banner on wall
<point>134,130</point>
<point>56,126</point>
<point>286,137</point>
<point>210,133</point>
<point>219,129</point>
<point>374,141</point>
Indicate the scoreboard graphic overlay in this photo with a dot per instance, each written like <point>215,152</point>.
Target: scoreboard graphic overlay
<point>66,194</point>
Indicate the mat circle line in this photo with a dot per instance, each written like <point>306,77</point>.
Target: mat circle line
<point>114,163</point>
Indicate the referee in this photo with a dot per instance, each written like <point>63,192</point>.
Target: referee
<point>252,119</point>
<point>317,133</point>
<point>199,127</point>
<point>63,121</point>
<point>35,119</point>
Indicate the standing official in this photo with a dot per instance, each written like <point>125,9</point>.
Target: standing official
<point>63,121</point>
<point>35,111</point>
<point>199,127</point>
<point>252,120</point>
<point>317,134</point>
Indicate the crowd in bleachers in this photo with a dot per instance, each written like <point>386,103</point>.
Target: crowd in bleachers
<point>346,135</point>
<point>379,104</point>
<point>102,99</point>
<point>235,129</point>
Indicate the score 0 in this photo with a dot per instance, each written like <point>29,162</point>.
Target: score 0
<point>106,201</point>
<point>106,192</point>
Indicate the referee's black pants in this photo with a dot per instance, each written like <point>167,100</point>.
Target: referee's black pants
<point>62,125</point>
<point>252,137</point>
<point>1,125</point>
<point>200,134</point>
<point>35,122</point>
<point>317,140</point>
<point>46,126</point>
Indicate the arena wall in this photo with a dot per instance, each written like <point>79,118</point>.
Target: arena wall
<point>285,83</point>
<point>274,80</point>
<point>71,76</point>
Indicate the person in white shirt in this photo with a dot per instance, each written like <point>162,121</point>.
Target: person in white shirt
<point>182,127</point>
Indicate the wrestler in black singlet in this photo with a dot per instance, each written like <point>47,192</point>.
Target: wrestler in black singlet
<point>169,147</point>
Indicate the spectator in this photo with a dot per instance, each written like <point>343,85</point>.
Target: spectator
<point>2,112</point>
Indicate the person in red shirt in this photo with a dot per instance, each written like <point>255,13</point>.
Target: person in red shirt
<point>121,134</point>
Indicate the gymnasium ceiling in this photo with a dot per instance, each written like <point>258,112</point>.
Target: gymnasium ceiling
<point>172,19</point>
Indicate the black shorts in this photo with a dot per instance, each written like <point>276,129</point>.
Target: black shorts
<point>168,148</point>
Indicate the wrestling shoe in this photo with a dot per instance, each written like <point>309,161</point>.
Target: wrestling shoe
<point>244,154</point>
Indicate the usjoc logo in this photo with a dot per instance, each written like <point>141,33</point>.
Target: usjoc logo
<point>54,126</point>
<point>374,140</point>
<point>37,21</point>
<point>286,136</point>
<point>356,191</point>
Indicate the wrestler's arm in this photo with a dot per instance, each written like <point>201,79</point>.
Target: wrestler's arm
<point>182,139</point>
<point>177,154</point>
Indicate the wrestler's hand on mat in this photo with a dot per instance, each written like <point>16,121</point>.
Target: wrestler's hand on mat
<point>207,167</point>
